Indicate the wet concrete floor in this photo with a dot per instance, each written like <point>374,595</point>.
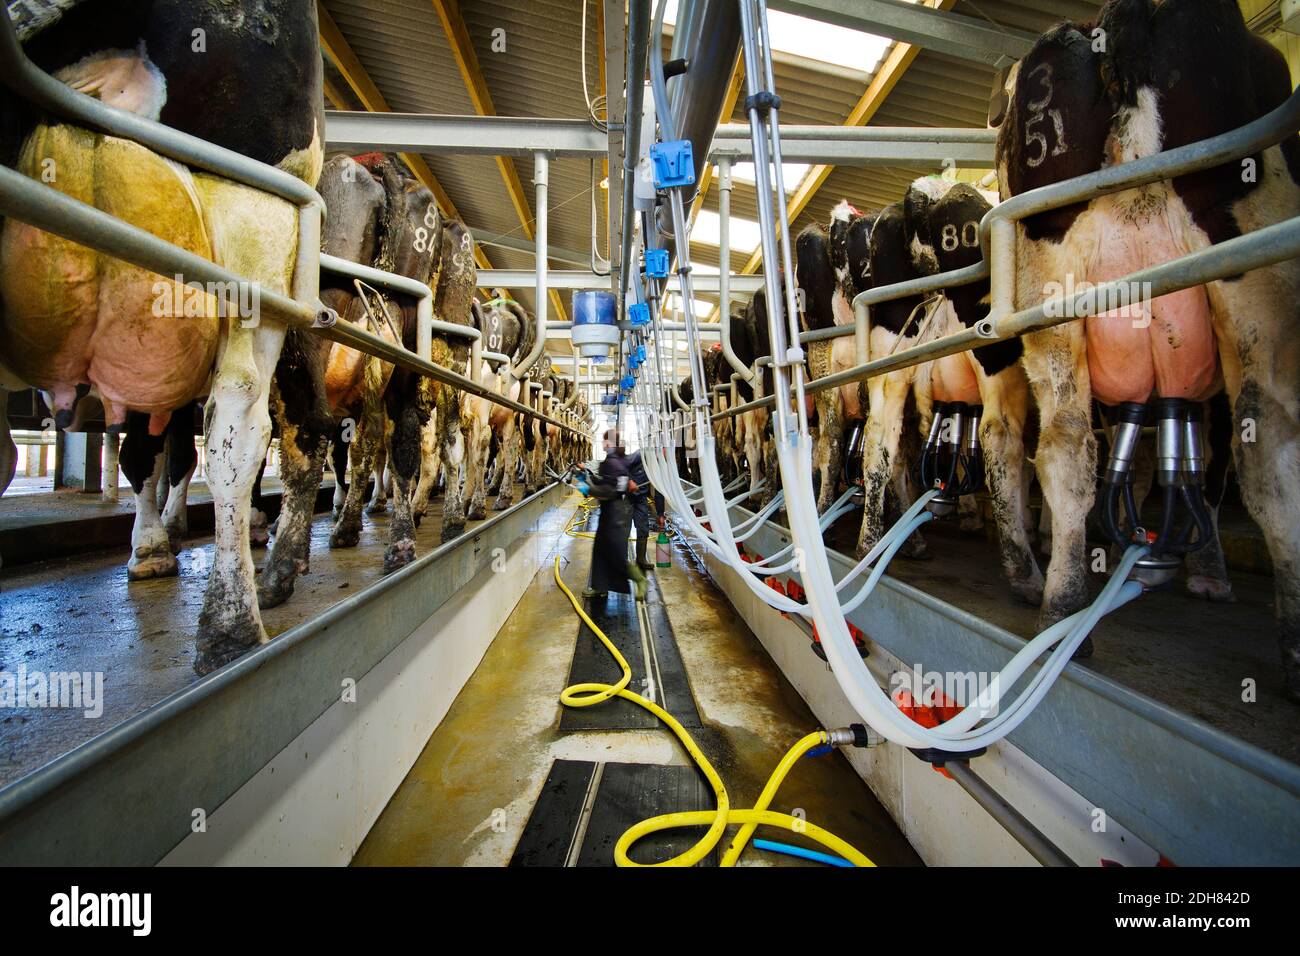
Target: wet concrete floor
<point>469,795</point>
<point>81,614</point>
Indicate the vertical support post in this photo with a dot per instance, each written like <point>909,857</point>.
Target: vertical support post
<point>861,334</point>
<point>1002,268</point>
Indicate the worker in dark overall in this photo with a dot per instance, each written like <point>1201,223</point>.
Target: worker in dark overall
<point>613,487</point>
<point>641,509</point>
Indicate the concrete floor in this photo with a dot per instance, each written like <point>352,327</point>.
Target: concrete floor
<point>469,795</point>
<point>81,614</point>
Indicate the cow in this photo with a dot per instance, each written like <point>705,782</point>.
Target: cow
<point>935,228</point>
<point>72,318</point>
<point>752,438</point>
<point>1167,74</point>
<point>828,284</point>
<point>504,324</point>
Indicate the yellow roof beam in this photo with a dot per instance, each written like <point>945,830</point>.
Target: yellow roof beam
<point>354,74</point>
<point>462,48</point>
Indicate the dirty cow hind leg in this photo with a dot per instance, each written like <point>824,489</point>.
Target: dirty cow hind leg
<point>405,465</point>
<point>256,236</point>
<point>302,458</point>
<point>142,461</point>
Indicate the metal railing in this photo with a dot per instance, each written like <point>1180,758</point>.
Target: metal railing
<point>48,209</point>
<point>1258,249</point>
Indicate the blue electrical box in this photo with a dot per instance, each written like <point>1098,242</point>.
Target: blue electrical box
<point>656,263</point>
<point>673,163</point>
<point>628,381</point>
<point>640,354</point>
<point>639,314</point>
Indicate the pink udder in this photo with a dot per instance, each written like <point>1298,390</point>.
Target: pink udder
<point>1164,347</point>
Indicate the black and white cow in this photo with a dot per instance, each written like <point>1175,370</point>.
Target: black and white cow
<point>1166,74</point>
<point>828,284</point>
<point>936,229</point>
<point>71,318</point>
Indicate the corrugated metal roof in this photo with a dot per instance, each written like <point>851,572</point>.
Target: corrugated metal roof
<point>402,46</point>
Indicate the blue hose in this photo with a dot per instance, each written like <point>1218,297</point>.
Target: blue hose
<point>799,851</point>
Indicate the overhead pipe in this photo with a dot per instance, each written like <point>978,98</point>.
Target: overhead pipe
<point>638,39</point>
<point>724,268</point>
<point>541,183</point>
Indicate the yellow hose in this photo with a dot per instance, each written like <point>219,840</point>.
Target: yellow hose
<point>588,694</point>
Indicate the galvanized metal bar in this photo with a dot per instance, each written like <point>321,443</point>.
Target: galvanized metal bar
<point>541,183</point>
<point>463,135</point>
<point>956,35</point>
<point>1008,817</point>
<point>1255,250</point>
<point>586,279</point>
<point>50,210</point>
<point>638,42</point>
<point>868,145</point>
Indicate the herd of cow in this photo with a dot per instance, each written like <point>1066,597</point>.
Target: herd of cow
<point>1071,106</point>
<point>80,325</point>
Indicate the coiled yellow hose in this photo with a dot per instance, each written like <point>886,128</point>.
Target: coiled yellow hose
<point>717,820</point>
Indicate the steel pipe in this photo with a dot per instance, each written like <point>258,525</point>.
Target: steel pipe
<point>541,182</point>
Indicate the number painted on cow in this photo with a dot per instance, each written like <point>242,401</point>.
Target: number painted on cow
<point>1038,113</point>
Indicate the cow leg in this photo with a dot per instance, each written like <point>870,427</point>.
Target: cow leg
<point>8,450</point>
<point>1002,428</point>
<point>142,461</point>
<point>404,462</point>
<point>510,446</point>
<point>237,429</point>
<point>339,464</point>
<point>379,497</point>
<point>347,528</point>
<point>1066,460</point>
<point>1207,569</point>
<point>828,451</point>
<point>479,434</point>
<point>108,481</point>
<point>259,525</point>
<point>302,461</point>
<point>888,397</point>
<point>452,445</point>
<point>428,468</point>
<point>182,459</point>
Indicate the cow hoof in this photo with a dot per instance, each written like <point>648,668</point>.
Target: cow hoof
<point>477,513</point>
<point>218,644</point>
<point>259,535</point>
<point>1214,590</point>
<point>915,548</point>
<point>399,555</point>
<point>273,593</point>
<point>174,538</point>
<point>501,504</point>
<point>153,564</point>
<point>345,537</point>
<point>1029,592</point>
<point>377,507</point>
<point>451,531</point>
<point>417,517</point>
